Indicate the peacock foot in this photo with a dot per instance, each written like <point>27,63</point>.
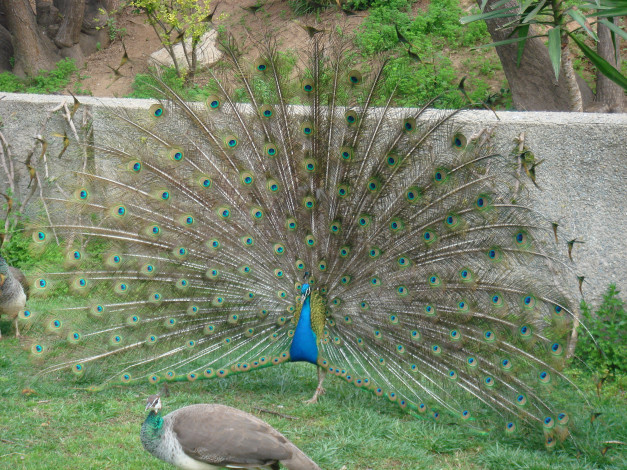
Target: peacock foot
<point>314,399</point>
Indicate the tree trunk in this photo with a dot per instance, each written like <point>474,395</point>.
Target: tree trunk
<point>67,38</point>
<point>570,78</point>
<point>6,49</point>
<point>47,14</point>
<point>72,12</point>
<point>533,83</point>
<point>110,5</point>
<point>609,93</point>
<point>33,51</point>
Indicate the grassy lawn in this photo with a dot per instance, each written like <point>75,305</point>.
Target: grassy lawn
<point>58,425</point>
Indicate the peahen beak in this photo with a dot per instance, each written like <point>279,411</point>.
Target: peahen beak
<point>153,402</point>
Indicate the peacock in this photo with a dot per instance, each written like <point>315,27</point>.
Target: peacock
<point>211,436</point>
<point>297,215</point>
<point>14,290</point>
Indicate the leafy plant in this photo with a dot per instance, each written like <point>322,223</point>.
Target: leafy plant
<point>428,35</point>
<point>78,86</point>
<point>608,325</point>
<point>18,252</point>
<point>114,31</point>
<point>358,4</point>
<point>56,79</point>
<point>44,82</point>
<point>11,83</point>
<point>176,21</point>
<point>564,20</point>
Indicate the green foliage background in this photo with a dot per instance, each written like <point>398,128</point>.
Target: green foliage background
<point>44,82</point>
<point>608,326</point>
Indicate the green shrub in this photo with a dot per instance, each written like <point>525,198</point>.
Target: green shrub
<point>9,83</point>
<point>359,4</point>
<point>608,326</point>
<point>146,86</point>
<point>18,252</point>
<point>378,33</point>
<point>439,25</point>
<point>46,81</point>
<point>430,33</point>
<point>53,80</point>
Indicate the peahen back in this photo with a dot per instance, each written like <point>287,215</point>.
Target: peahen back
<point>432,283</point>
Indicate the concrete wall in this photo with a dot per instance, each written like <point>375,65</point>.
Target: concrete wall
<point>583,177</point>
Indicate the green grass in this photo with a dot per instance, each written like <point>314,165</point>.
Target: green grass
<point>64,426</point>
<point>435,34</point>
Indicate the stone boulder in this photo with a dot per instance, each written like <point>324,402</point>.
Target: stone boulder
<point>207,53</point>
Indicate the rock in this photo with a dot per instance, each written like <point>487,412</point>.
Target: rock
<point>95,29</point>
<point>207,53</point>
<point>75,53</point>
<point>596,107</point>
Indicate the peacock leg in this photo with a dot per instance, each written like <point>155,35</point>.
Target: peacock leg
<point>319,390</point>
<point>17,331</point>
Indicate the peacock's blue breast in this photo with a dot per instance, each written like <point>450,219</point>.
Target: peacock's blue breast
<point>304,343</point>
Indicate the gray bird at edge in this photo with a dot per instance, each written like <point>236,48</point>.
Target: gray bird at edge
<point>211,436</point>
<point>13,292</point>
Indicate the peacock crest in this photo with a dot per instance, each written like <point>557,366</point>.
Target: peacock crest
<point>430,281</point>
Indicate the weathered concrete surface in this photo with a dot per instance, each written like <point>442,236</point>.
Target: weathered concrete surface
<point>583,181</point>
<point>583,176</point>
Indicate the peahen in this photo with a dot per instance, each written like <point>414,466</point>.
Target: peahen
<point>13,292</point>
<point>316,223</point>
<point>209,436</point>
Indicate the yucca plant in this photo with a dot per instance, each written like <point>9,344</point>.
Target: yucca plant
<point>555,19</point>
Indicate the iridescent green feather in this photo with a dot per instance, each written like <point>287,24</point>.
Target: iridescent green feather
<point>187,248</point>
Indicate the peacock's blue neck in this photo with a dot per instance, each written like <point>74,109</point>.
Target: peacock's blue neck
<point>151,431</point>
<point>304,343</point>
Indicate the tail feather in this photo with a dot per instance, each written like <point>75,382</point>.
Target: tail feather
<point>442,289</point>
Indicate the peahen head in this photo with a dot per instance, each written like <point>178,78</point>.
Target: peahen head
<point>4,270</point>
<point>153,403</point>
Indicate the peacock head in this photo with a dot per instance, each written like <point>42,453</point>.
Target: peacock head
<point>153,403</point>
<point>305,290</point>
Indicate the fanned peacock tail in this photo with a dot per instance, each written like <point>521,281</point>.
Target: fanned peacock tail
<point>431,283</point>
